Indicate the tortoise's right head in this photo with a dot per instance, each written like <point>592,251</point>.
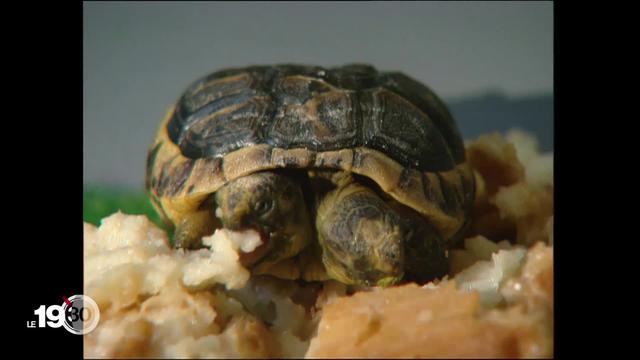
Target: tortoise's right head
<point>273,205</point>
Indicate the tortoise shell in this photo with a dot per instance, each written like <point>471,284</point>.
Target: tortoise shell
<point>382,125</point>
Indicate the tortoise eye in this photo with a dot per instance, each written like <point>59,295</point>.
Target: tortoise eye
<point>263,206</point>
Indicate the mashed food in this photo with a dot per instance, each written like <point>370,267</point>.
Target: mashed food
<point>497,300</point>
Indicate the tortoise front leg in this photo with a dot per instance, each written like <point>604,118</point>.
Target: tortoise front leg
<point>189,232</point>
<point>362,237</point>
<point>366,240</point>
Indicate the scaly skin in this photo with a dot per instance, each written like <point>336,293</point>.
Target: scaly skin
<point>189,232</point>
<point>367,240</point>
<point>362,238</point>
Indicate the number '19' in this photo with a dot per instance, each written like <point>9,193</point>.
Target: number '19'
<point>44,313</point>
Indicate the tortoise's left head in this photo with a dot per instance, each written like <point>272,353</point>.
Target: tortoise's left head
<point>273,205</point>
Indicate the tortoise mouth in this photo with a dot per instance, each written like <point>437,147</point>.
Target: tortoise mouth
<point>251,258</point>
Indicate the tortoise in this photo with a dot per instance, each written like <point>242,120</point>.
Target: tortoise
<point>347,173</point>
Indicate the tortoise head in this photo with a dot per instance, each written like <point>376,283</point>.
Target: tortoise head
<point>273,205</point>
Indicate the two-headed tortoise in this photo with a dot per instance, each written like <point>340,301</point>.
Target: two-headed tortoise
<point>357,172</point>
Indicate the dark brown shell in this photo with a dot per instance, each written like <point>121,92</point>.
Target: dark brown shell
<point>292,106</point>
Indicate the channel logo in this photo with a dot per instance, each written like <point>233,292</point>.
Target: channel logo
<point>79,314</point>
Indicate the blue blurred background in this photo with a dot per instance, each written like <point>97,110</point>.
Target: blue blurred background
<point>492,62</point>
